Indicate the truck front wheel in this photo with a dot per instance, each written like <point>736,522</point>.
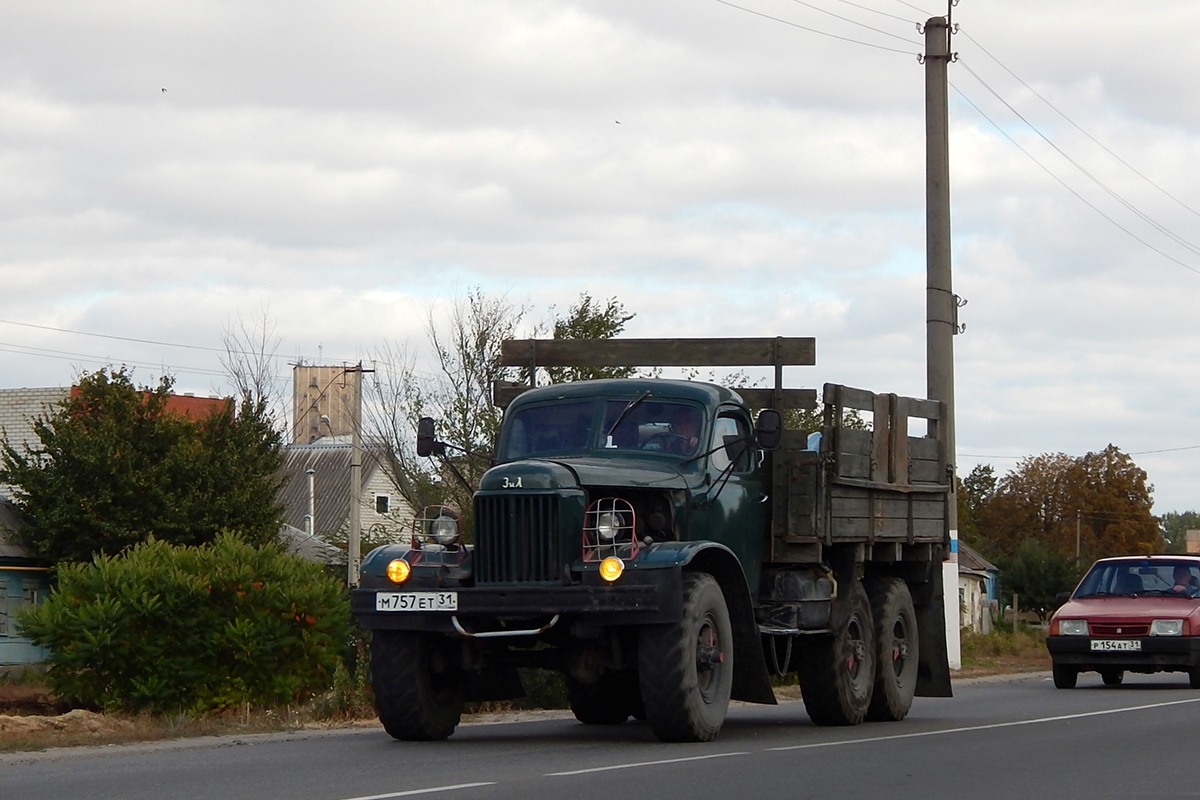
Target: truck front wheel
<point>837,673</point>
<point>418,685</point>
<point>685,669</point>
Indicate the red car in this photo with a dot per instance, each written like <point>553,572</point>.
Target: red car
<point>1129,614</point>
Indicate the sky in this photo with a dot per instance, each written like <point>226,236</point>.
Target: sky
<point>344,170</point>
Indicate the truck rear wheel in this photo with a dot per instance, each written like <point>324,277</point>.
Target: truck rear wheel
<point>838,672</point>
<point>685,669</point>
<point>895,650</point>
<point>609,701</point>
<point>417,684</point>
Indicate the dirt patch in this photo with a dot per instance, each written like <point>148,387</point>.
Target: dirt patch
<point>18,699</point>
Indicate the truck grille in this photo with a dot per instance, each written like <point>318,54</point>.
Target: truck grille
<point>516,539</point>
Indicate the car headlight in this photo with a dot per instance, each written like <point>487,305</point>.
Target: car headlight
<point>1166,627</point>
<point>1073,627</point>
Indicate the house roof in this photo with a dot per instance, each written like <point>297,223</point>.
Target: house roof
<point>10,551</point>
<point>310,548</point>
<point>969,560</point>
<point>330,464</point>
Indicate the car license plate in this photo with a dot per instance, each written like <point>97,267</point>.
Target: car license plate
<point>416,601</point>
<point>1116,644</point>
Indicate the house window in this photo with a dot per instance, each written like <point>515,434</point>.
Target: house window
<point>14,594</point>
<point>382,503</point>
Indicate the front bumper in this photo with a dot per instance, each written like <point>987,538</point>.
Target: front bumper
<point>644,598</point>
<point>1157,654</point>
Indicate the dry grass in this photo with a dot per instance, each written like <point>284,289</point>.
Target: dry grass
<point>1003,652</point>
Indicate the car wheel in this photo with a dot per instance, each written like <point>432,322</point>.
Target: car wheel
<point>1112,677</point>
<point>1194,676</point>
<point>1064,677</point>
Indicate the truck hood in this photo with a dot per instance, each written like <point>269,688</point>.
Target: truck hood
<point>534,474</point>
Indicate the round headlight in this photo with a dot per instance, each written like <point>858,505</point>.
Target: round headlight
<point>608,525</point>
<point>611,568</point>
<point>444,530</point>
<point>398,570</point>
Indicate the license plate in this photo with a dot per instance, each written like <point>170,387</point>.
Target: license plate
<point>416,601</point>
<point>1116,644</point>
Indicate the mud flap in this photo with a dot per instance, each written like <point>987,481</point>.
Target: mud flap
<point>933,665</point>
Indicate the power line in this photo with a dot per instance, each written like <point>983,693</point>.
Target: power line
<point>811,30</point>
<point>855,22</point>
<point>1058,111</point>
<point>1162,229</point>
<point>1064,184</point>
<point>884,13</point>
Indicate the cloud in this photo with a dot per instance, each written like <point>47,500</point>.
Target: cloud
<point>720,172</point>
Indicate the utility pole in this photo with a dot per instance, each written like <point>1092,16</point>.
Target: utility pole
<point>354,537</point>
<point>940,302</point>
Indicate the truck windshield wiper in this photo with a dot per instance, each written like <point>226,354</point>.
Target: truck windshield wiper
<point>625,411</point>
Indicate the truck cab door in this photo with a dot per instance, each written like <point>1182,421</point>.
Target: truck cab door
<point>738,512</point>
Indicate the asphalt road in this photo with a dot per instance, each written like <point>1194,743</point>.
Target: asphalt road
<point>1009,738</point>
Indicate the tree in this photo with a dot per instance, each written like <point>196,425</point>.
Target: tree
<point>458,396</point>
<point>1174,526</point>
<point>116,465</point>
<point>974,492</point>
<point>586,320</point>
<point>1095,505</point>
<point>249,359</point>
<point>1038,573</point>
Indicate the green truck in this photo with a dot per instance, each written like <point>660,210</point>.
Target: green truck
<point>670,545</point>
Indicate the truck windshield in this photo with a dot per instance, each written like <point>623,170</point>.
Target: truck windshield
<point>567,427</point>
<point>549,430</point>
<point>653,425</point>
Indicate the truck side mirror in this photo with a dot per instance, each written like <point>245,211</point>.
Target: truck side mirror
<point>768,429</point>
<point>426,439</point>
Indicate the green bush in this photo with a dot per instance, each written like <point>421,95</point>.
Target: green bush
<point>170,629</point>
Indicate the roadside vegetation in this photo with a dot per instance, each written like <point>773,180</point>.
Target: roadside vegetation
<point>1004,651</point>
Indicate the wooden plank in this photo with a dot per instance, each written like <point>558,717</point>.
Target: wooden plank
<point>920,447</point>
<point>765,398</point>
<point>881,426</point>
<point>864,530</point>
<point>504,392</point>
<point>732,352</point>
<point>926,472</point>
<point>887,507</point>
<point>918,407</point>
<point>849,397</point>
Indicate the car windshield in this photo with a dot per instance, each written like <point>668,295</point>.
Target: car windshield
<point>1140,578</point>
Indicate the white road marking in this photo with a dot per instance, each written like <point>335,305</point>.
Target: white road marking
<point>634,764</point>
<point>430,790</point>
<point>992,726</point>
